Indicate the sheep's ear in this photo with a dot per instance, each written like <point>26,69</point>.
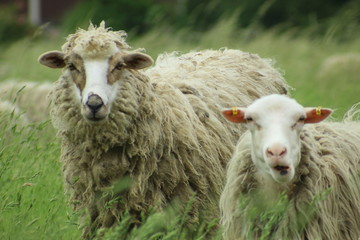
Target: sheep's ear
<point>315,115</point>
<point>52,59</point>
<point>137,60</point>
<point>234,114</point>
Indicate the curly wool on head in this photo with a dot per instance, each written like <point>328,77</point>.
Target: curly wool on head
<point>164,131</point>
<point>95,41</point>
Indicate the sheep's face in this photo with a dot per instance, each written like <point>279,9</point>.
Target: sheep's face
<point>275,123</point>
<point>96,77</point>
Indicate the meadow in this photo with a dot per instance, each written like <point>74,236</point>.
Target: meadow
<point>322,71</point>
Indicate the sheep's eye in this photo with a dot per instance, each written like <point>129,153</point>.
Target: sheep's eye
<point>72,67</point>
<point>302,118</point>
<point>249,119</point>
<point>119,66</point>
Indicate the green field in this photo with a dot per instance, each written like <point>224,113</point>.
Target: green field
<point>322,71</point>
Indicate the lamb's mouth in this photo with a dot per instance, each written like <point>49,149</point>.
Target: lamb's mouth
<point>282,169</point>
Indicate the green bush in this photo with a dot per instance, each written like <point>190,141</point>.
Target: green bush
<point>335,18</point>
<point>122,14</point>
<point>10,28</point>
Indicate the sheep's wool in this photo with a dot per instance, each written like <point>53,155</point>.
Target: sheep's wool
<point>95,41</point>
<point>7,108</point>
<point>330,161</point>
<point>164,133</point>
<point>31,98</point>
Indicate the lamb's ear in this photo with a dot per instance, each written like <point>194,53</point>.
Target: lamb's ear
<point>52,59</point>
<point>137,60</point>
<point>315,115</point>
<point>234,114</point>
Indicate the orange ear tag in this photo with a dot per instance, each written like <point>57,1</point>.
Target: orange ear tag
<point>318,111</point>
<point>234,111</point>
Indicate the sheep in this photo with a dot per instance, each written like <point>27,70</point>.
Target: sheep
<point>344,68</point>
<point>315,166</point>
<point>29,97</point>
<point>9,111</point>
<point>340,64</point>
<point>160,128</point>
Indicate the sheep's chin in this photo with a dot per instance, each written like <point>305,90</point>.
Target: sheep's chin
<point>94,117</point>
<point>282,177</point>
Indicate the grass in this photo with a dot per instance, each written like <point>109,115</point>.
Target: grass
<point>33,203</point>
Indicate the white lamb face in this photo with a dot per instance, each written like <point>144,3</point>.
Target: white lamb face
<point>96,78</point>
<point>276,137</point>
<point>275,123</point>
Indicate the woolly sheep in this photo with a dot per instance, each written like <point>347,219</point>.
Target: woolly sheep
<point>8,109</point>
<point>340,64</point>
<point>162,128</point>
<point>283,153</point>
<point>30,98</point>
<point>344,68</point>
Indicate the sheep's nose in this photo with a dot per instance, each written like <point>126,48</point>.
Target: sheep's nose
<point>276,151</point>
<point>94,102</point>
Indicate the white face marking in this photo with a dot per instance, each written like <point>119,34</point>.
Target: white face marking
<point>97,95</point>
<point>96,81</point>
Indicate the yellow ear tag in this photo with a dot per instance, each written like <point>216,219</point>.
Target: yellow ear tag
<point>234,111</point>
<point>318,111</point>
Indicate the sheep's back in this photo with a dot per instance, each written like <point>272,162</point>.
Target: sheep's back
<point>219,78</point>
<point>228,77</point>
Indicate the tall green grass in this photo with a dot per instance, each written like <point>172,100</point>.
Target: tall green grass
<point>33,203</point>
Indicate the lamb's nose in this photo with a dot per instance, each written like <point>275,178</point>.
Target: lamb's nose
<point>94,102</point>
<point>276,151</point>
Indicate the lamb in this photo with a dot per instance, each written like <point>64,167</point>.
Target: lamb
<point>29,97</point>
<point>316,167</point>
<point>160,128</point>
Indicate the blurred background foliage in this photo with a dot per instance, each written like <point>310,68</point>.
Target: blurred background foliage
<point>11,28</point>
<point>338,18</point>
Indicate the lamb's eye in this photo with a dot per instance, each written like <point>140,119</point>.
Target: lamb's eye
<point>302,118</point>
<point>249,119</point>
